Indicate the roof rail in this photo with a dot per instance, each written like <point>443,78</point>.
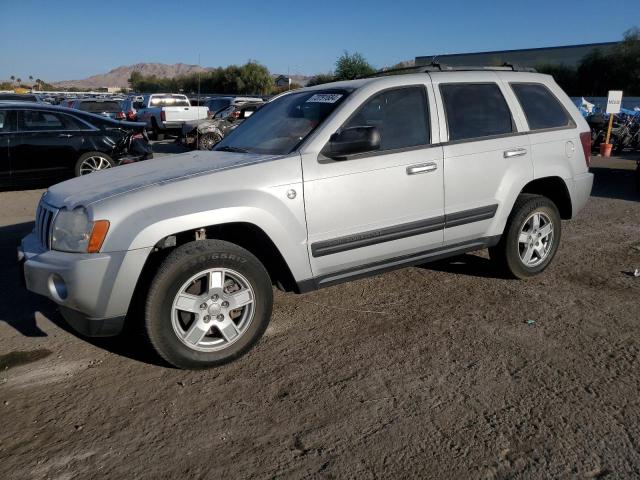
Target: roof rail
<point>435,66</point>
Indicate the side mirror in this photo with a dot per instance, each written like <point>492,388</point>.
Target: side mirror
<point>353,140</point>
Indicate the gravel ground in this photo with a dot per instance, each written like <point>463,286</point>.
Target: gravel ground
<point>441,371</point>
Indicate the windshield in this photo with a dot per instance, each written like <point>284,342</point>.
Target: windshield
<point>281,125</point>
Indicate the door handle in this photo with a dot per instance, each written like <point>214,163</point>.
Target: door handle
<point>64,135</point>
<point>516,152</point>
<point>422,168</point>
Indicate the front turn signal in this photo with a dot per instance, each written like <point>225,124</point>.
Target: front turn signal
<point>98,234</point>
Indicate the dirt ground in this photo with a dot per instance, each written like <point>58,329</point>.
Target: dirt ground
<point>441,371</point>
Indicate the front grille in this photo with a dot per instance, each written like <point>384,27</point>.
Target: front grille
<point>44,223</point>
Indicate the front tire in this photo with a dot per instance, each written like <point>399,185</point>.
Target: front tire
<point>209,303</point>
<point>207,141</point>
<point>531,237</point>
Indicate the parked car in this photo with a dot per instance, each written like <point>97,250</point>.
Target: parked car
<point>218,104</point>
<point>18,97</point>
<point>105,107</point>
<point>165,113</point>
<point>205,134</point>
<point>45,142</point>
<point>129,108</point>
<point>323,185</point>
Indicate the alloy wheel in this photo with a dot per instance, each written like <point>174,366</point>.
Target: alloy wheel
<point>535,240</point>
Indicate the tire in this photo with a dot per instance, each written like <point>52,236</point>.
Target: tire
<point>92,162</point>
<point>512,251</point>
<point>155,131</point>
<point>186,319</point>
<point>208,140</point>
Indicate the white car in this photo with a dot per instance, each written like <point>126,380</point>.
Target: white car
<point>320,186</point>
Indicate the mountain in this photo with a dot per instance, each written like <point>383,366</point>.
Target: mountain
<point>118,77</point>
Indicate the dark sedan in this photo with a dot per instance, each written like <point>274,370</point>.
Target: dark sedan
<point>42,142</point>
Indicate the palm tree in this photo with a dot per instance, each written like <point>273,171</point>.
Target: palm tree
<point>18,80</point>
<point>13,78</point>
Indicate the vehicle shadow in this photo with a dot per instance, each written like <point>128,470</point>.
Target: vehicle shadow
<point>466,264</point>
<point>168,147</point>
<point>617,177</point>
<point>18,306</point>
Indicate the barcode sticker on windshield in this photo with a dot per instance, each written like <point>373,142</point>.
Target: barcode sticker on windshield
<point>325,98</point>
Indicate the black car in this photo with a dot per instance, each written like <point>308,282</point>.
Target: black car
<point>43,142</point>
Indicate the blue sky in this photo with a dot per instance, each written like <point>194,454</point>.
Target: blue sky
<point>59,40</point>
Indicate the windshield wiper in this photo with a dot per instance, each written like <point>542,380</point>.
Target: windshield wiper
<point>227,148</point>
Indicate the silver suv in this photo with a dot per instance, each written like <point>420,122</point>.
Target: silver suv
<point>322,185</point>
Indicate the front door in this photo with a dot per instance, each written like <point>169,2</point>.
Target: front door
<point>373,210</point>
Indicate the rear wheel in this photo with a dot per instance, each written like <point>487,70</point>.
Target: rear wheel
<point>531,237</point>
<point>209,303</point>
<point>208,140</point>
<point>92,162</point>
<point>156,134</point>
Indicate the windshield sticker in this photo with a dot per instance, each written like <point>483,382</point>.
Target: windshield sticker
<point>324,98</point>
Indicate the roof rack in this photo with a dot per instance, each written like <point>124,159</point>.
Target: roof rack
<point>435,66</point>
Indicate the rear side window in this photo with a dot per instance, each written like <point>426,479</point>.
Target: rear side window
<point>475,110</point>
<point>40,120</point>
<point>7,121</point>
<point>541,107</point>
<point>400,115</point>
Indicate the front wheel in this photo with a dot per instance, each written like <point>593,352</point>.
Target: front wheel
<point>207,141</point>
<point>531,237</point>
<point>209,303</point>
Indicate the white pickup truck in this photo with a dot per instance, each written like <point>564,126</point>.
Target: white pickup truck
<point>166,113</point>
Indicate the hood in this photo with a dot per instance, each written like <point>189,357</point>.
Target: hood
<point>105,184</point>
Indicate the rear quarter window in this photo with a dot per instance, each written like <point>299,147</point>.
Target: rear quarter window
<point>542,109</point>
<point>475,111</point>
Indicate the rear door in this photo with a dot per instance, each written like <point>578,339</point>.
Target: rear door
<point>7,130</point>
<point>485,157</point>
<point>47,144</point>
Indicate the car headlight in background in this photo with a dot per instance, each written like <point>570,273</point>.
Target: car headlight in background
<point>74,232</point>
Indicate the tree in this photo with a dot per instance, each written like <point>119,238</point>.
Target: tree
<point>320,79</point>
<point>18,80</point>
<point>13,78</point>
<point>350,66</point>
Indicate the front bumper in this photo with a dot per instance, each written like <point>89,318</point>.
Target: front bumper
<point>93,290</point>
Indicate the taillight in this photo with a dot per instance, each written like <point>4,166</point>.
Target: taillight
<point>210,114</point>
<point>163,116</point>
<point>236,114</point>
<point>131,115</point>
<point>585,139</point>
<point>120,116</point>
<point>137,136</point>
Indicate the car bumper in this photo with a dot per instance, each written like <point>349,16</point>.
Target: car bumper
<point>93,290</point>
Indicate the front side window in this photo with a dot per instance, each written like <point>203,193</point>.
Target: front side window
<point>475,111</point>
<point>541,107</point>
<point>400,115</point>
<point>281,125</point>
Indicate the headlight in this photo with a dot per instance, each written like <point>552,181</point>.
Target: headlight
<point>74,232</point>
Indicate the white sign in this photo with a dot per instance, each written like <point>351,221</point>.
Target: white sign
<point>325,98</point>
<point>614,101</point>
